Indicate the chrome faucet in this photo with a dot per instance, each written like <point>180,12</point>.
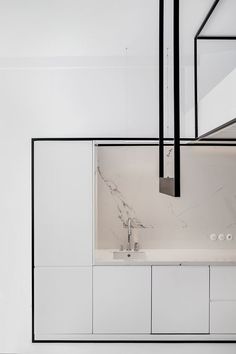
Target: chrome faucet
<point>129,234</point>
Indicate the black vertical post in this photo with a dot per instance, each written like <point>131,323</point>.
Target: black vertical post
<point>168,185</point>
<point>176,58</point>
<point>32,234</point>
<point>161,88</point>
<point>195,87</point>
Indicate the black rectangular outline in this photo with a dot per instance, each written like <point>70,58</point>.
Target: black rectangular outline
<point>197,37</point>
<point>33,140</point>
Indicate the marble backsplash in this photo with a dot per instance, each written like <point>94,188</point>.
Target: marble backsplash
<point>128,187</point>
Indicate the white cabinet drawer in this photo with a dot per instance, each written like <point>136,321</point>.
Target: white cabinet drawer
<point>180,299</point>
<point>122,299</point>
<point>223,283</point>
<point>223,317</point>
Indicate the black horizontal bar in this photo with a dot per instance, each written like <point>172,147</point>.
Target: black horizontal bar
<point>221,38</point>
<point>189,144</point>
<point>107,138</point>
<point>207,340</point>
<point>142,144</point>
<point>92,138</point>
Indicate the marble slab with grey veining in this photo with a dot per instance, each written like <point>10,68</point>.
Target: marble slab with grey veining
<point>127,186</point>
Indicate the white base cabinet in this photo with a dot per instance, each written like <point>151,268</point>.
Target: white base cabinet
<point>63,300</point>
<point>155,302</point>
<point>223,317</point>
<point>180,299</point>
<point>223,300</point>
<point>122,299</point>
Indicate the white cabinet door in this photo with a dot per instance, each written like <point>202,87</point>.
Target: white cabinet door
<point>223,300</point>
<point>63,203</point>
<point>223,283</point>
<point>180,299</point>
<point>63,300</point>
<point>122,299</point>
<point>223,317</point>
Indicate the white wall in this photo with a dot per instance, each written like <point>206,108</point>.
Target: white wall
<point>42,97</point>
<point>74,68</point>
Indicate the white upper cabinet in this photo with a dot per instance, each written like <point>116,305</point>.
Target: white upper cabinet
<point>122,299</point>
<point>180,300</point>
<point>63,203</point>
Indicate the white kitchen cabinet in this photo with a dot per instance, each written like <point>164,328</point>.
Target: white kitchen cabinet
<point>180,299</point>
<point>63,203</point>
<point>223,300</point>
<point>223,317</point>
<point>223,283</point>
<point>63,300</point>
<point>122,299</point>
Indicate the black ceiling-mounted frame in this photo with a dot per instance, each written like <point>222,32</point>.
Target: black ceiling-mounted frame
<point>197,37</point>
<point>169,185</point>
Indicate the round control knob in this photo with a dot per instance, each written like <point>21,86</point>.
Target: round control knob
<point>213,237</point>
<point>221,237</point>
<point>229,237</point>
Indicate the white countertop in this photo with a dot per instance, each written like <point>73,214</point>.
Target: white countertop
<point>171,257</point>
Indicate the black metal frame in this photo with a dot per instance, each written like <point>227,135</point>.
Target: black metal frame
<point>167,185</point>
<point>197,37</point>
<point>134,143</point>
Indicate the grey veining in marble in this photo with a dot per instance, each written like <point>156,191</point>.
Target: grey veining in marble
<point>127,186</point>
<point>124,210</point>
